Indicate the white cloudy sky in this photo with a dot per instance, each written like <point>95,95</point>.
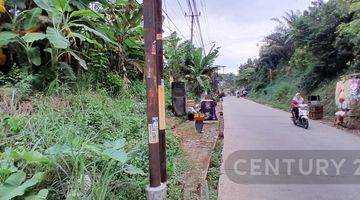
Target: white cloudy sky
<point>237,26</point>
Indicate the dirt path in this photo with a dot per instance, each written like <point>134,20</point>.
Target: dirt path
<point>197,148</point>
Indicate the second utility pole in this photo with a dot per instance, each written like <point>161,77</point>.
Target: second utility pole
<point>192,23</point>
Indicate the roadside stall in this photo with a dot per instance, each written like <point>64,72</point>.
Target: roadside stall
<point>316,109</point>
<point>207,114</point>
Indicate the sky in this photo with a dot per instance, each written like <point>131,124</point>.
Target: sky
<point>237,26</point>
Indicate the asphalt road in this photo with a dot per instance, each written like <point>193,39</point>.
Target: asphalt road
<point>251,126</point>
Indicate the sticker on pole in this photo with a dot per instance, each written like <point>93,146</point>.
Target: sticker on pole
<point>153,48</point>
<point>162,114</point>
<point>154,131</point>
<point>159,36</point>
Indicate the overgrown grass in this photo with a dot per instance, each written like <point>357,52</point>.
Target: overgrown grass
<point>88,144</point>
<point>213,175</point>
<point>279,92</point>
<point>326,90</point>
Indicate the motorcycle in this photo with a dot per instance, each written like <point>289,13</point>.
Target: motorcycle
<point>303,120</point>
<point>244,93</point>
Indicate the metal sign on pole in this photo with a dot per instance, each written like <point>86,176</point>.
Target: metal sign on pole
<point>156,189</point>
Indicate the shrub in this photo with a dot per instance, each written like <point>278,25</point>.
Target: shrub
<point>15,124</point>
<point>281,92</point>
<point>114,83</point>
<point>98,66</point>
<point>96,145</point>
<point>302,59</point>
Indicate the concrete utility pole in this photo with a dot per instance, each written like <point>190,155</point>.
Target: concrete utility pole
<point>161,89</point>
<point>192,16</point>
<point>156,190</point>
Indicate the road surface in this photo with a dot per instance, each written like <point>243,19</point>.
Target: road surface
<point>251,126</point>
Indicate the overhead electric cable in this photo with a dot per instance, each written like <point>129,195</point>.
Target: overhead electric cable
<point>198,24</point>
<point>170,20</point>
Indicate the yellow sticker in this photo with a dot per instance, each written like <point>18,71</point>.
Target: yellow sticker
<point>162,115</point>
<point>2,6</point>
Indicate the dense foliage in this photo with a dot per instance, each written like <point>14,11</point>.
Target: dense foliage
<point>191,65</point>
<point>306,50</point>
<point>86,145</point>
<point>58,41</point>
<point>73,100</point>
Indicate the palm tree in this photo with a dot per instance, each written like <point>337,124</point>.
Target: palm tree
<point>280,44</point>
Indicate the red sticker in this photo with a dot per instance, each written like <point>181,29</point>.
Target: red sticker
<point>159,36</point>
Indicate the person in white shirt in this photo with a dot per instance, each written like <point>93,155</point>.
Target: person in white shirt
<point>343,111</point>
<point>298,98</point>
<point>295,103</point>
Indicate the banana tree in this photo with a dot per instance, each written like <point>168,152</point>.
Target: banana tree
<point>175,54</point>
<point>63,26</point>
<point>16,22</point>
<point>26,41</point>
<point>67,27</point>
<point>201,69</point>
<point>123,25</point>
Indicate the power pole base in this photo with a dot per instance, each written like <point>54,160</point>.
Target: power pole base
<point>157,193</point>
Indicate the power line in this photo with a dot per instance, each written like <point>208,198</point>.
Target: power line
<point>165,6</point>
<point>170,20</point>
<point>181,7</point>
<point>198,24</point>
<point>171,30</point>
<point>194,14</point>
<point>183,13</point>
<point>190,7</point>
<point>193,9</point>
<point>206,20</point>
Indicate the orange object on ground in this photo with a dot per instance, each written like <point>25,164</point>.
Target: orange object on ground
<point>199,117</point>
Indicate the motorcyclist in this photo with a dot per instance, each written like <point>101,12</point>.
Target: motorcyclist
<point>295,103</point>
<point>244,92</point>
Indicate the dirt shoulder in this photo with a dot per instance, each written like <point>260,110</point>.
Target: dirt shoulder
<point>198,150</point>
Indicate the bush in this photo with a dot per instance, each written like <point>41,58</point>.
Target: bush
<point>15,124</point>
<point>96,145</point>
<point>98,66</point>
<point>302,59</point>
<point>114,83</point>
<point>138,90</point>
<point>282,91</point>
